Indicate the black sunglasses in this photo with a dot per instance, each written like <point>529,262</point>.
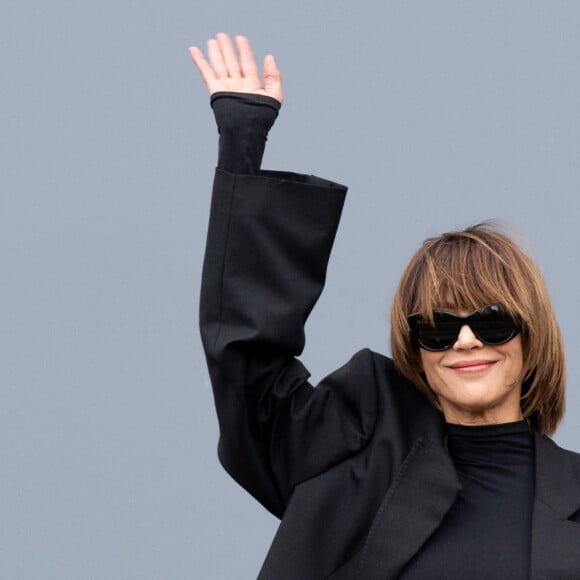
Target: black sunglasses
<point>490,324</point>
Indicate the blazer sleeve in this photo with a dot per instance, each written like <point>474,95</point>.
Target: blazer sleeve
<point>269,241</point>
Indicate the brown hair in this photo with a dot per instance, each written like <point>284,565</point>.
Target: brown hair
<point>465,270</point>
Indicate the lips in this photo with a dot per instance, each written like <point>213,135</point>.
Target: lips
<point>472,366</point>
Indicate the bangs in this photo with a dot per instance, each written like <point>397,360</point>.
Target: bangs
<point>463,272</point>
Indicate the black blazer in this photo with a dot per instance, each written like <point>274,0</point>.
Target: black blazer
<point>356,468</point>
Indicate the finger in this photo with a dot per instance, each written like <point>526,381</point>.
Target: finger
<point>248,64</point>
<point>216,59</point>
<point>272,78</point>
<point>229,55</point>
<point>207,73</point>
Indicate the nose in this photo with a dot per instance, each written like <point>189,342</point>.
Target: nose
<point>466,340</point>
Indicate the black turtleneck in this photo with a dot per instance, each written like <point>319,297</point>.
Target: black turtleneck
<point>487,532</point>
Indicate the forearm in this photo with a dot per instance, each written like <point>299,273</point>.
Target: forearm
<point>243,122</point>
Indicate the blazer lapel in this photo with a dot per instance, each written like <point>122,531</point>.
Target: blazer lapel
<point>422,493</point>
<point>555,537</point>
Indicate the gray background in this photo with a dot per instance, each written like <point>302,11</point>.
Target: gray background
<point>436,114</point>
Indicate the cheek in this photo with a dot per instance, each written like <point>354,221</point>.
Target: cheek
<point>517,370</point>
<point>514,354</point>
<point>428,365</point>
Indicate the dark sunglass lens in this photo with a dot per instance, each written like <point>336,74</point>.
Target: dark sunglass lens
<point>494,332</point>
<point>439,336</point>
<point>493,326</point>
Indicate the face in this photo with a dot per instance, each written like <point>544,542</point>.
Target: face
<point>476,383</point>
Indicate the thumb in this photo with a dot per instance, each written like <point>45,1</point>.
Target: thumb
<point>272,79</point>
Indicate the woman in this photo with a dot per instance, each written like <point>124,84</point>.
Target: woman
<point>435,464</point>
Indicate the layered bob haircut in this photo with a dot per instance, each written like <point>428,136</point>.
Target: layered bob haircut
<point>465,270</point>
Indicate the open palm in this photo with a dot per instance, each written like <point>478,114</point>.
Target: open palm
<point>228,70</point>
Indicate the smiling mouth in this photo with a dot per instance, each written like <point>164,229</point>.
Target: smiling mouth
<point>473,366</point>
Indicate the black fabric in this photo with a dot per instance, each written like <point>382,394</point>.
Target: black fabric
<point>357,468</point>
<point>243,122</point>
<point>491,519</point>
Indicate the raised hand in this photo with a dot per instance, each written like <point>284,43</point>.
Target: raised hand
<point>226,71</point>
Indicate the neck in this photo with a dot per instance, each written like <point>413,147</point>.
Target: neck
<point>471,417</point>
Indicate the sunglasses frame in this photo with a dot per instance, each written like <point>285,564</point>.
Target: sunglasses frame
<point>471,320</point>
